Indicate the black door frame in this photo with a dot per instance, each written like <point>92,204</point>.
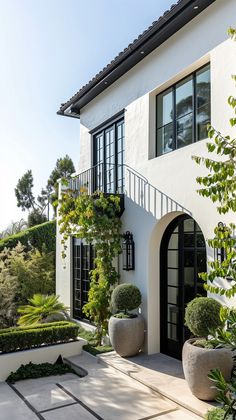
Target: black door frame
<point>167,346</point>
<point>82,265</point>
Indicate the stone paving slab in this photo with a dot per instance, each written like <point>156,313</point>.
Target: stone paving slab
<point>97,369</point>
<point>12,407</point>
<point>162,374</point>
<point>44,396</point>
<point>104,394</point>
<point>113,396</point>
<point>74,412</point>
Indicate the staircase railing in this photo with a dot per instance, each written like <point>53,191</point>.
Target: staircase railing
<point>122,179</point>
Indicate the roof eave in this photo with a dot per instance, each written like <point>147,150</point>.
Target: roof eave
<point>164,28</point>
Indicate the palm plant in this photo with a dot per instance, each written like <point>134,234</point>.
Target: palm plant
<point>40,308</point>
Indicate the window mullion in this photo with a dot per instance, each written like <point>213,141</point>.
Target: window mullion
<point>194,108</point>
<point>174,118</point>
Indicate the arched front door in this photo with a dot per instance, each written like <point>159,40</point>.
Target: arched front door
<point>183,256</point>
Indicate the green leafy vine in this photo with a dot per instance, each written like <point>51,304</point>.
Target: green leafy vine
<point>95,219</point>
<point>220,186</point>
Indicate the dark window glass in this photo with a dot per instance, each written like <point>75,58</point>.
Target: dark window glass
<point>203,91</point>
<point>83,262</point>
<point>165,125</point>
<point>183,112</point>
<point>109,159</point>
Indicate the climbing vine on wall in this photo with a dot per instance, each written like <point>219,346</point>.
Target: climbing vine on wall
<point>95,219</point>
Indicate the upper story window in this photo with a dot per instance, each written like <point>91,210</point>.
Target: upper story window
<point>108,157</point>
<point>183,112</point>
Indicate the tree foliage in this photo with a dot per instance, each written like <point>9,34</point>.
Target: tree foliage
<point>63,169</point>
<point>36,217</point>
<point>24,193</point>
<point>23,274</point>
<point>220,186</point>
<point>36,206</point>
<point>96,220</point>
<point>13,228</point>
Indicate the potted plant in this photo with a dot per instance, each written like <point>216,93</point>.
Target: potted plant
<point>202,317</point>
<point>126,330</point>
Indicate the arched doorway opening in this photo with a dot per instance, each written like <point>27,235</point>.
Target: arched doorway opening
<point>182,257</point>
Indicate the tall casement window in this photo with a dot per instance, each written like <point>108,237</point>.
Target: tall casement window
<point>108,158</point>
<point>83,262</point>
<point>183,112</point>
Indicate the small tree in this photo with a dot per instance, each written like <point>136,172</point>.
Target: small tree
<point>63,169</point>
<point>96,220</point>
<point>27,201</point>
<point>36,217</point>
<point>220,186</point>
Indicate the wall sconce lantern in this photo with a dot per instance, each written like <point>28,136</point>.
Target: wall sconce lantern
<point>220,253</point>
<point>128,251</point>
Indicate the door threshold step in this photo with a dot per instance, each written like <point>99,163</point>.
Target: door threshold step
<point>162,374</point>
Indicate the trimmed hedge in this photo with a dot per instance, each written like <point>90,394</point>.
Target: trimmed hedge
<point>33,327</point>
<point>24,338</point>
<point>41,237</point>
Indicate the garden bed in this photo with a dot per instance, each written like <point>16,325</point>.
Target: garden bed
<point>37,344</point>
<point>10,362</point>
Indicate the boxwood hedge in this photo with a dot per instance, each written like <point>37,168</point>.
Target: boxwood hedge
<point>23,338</point>
<point>41,237</point>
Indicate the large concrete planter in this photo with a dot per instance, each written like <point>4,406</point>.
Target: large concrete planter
<point>126,335</point>
<point>197,363</point>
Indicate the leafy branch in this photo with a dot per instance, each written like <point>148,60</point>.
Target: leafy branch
<point>94,219</point>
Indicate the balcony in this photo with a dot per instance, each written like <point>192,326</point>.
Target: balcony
<point>108,179</point>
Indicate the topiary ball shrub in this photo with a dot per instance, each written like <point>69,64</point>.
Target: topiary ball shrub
<point>202,316</point>
<point>126,297</point>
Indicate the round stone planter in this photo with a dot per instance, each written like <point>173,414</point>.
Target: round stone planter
<point>126,335</point>
<point>197,363</point>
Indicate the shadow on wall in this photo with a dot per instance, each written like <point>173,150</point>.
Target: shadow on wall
<point>148,197</point>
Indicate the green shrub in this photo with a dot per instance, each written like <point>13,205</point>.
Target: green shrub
<point>29,327</point>
<point>40,308</point>
<point>41,237</point>
<point>216,414</point>
<point>202,316</point>
<point>19,338</point>
<point>32,370</point>
<point>126,297</point>
<point>204,343</point>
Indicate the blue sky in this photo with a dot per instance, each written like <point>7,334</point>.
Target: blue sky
<point>48,50</point>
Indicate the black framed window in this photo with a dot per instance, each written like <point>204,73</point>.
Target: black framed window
<point>108,157</point>
<point>83,262</point>
<point>183,112</point>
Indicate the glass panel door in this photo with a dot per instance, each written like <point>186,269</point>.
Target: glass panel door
<point>183,256</point>
<point>109,166</point>
<point>108,156</point>
<point>83,262</point>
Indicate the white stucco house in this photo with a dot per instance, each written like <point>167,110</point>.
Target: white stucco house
<point>141,119</point>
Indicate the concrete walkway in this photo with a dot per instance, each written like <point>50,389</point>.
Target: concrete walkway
<point>161,373</point>
<point>104,394</point>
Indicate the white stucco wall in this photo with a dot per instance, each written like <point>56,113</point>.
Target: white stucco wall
<point>147,215</point>
<point>63,267</point>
